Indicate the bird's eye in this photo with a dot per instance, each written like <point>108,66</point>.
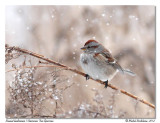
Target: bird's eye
<point>88,47</point>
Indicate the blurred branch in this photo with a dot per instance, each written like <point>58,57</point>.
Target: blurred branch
<point>7,47</point>
<point>33,67</point>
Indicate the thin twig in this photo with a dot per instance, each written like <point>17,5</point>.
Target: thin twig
<point>78,72</point>
<point>33,67</point>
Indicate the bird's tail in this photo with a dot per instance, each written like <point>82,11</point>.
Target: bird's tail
<point>124,70</point>
<point>129,72</point>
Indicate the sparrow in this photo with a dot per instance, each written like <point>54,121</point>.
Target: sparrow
<point>98,63</point>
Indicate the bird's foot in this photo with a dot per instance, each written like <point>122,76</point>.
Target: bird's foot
<point>87,76</point>
<point>106,84</point>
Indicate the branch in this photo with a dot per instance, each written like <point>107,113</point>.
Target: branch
<point>33,67</point>
<point>78,72</point>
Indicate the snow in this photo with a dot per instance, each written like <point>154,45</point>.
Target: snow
<point>40,83</point>
<point>137,19</point>
<point>52,102</point>
<point>55,97</point>
<point>70,112</point>
<point>107,23</point>
<point>82,107</point>
<point>103,14</point>
<point>28,28</point>
<point>52,16</point>
<point>86,85</point>
<point>134,39</point>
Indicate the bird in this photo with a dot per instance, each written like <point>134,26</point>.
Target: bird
<point>98,63</point>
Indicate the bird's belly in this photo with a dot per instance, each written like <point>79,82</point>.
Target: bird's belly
<point>97,70</point>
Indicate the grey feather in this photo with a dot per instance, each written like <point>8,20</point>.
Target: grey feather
<point>117,66</point>
<point>129,72</point>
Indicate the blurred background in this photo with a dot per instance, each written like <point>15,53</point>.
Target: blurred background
<point>58,32</point>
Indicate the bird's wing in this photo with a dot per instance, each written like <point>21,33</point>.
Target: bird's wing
<point>101,57</point>
<point>107,58</point>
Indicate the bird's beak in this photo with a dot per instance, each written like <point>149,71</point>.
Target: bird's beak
<point>83,48</point>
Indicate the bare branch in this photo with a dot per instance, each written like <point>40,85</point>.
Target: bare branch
<point>33,67</point>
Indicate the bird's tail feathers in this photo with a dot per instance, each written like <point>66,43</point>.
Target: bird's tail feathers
<point>129,72</point>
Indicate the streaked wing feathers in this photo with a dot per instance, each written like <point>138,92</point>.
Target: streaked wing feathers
<point>107,58</point>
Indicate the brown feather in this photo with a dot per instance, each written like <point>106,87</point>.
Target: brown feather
<point>100,57</point>
<point>89,41</point>
<point>107,57</point>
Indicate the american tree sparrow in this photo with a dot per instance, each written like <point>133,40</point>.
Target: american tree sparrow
<point>98,63</point>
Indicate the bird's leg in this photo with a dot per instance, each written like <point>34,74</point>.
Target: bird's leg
<point>106,84</point>
<point>87,76</point>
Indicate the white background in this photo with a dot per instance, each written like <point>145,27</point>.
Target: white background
<point>3,3</point>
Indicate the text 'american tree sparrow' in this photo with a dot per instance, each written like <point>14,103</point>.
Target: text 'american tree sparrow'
<point>98,63</point>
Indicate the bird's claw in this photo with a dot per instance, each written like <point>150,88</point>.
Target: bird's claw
<point>87,76</point>
<point>106,84</point>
